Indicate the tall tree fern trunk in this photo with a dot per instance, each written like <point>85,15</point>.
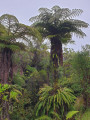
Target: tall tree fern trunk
<point>6,75</point>
<point>56,57</point>
<point>56,52</point>
<point>6,67</point>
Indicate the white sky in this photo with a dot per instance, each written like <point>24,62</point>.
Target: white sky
<point>24,9</point>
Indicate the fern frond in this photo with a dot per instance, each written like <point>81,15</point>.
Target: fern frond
<point>56,115</point>
<point>70,114</point>
<point>45,117</point>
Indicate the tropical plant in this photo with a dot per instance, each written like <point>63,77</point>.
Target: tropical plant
<point>57,25</point>
<point>71,114</point>
<point>57,101</point>
<point>12,33</point>
<point>81,65</point>
<point>56,116</point>
<point>22,110</point>
<point>8,93</point>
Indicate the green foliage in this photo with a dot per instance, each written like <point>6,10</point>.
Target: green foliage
<point>30,69</point>
<point>54,22</point>
<point>57,25</point>
<point>71,114</point>
<point>56,116</point>
<point>44,117</point>
<point>13,47</point>
<point>8,92</point>
<point>22,110</point>
<point>26,98</point>
<point>81,62</point>
<point>34,79</point>
<point>83,116</point>
<point>4,87</point>
<point>79,104</point>
<point>11,30</point>
<point>13,95</point>
<point>8,95</point>
<point>2,31</point>
<point>19,79</point>
<point>50,99</point>
<point>2,45</point>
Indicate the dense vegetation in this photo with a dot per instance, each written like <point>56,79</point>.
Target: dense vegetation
<point>36,84</point>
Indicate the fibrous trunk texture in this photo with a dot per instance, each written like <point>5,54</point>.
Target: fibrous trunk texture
<point>6,68</point>
<point>6,75</point>
<point>56,52</point>
<point>56,56</point>
<point>5,111</point>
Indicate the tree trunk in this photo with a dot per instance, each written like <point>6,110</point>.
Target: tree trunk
<point>56,52</point>
<point>6,76</point>
<point>5,111</point>
<point>56,57</point>
<point>6,68</point>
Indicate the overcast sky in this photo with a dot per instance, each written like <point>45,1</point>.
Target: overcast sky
<point>24,9</point>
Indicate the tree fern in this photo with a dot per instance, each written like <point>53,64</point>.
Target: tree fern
<point>57,24</point>
<point>12,35</point>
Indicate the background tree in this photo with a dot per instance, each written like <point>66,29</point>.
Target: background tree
<point>10,42</point>
<point>81,64</point>
<point>14,33</point>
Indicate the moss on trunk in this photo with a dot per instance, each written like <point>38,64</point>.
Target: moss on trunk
<point>56,57</point>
